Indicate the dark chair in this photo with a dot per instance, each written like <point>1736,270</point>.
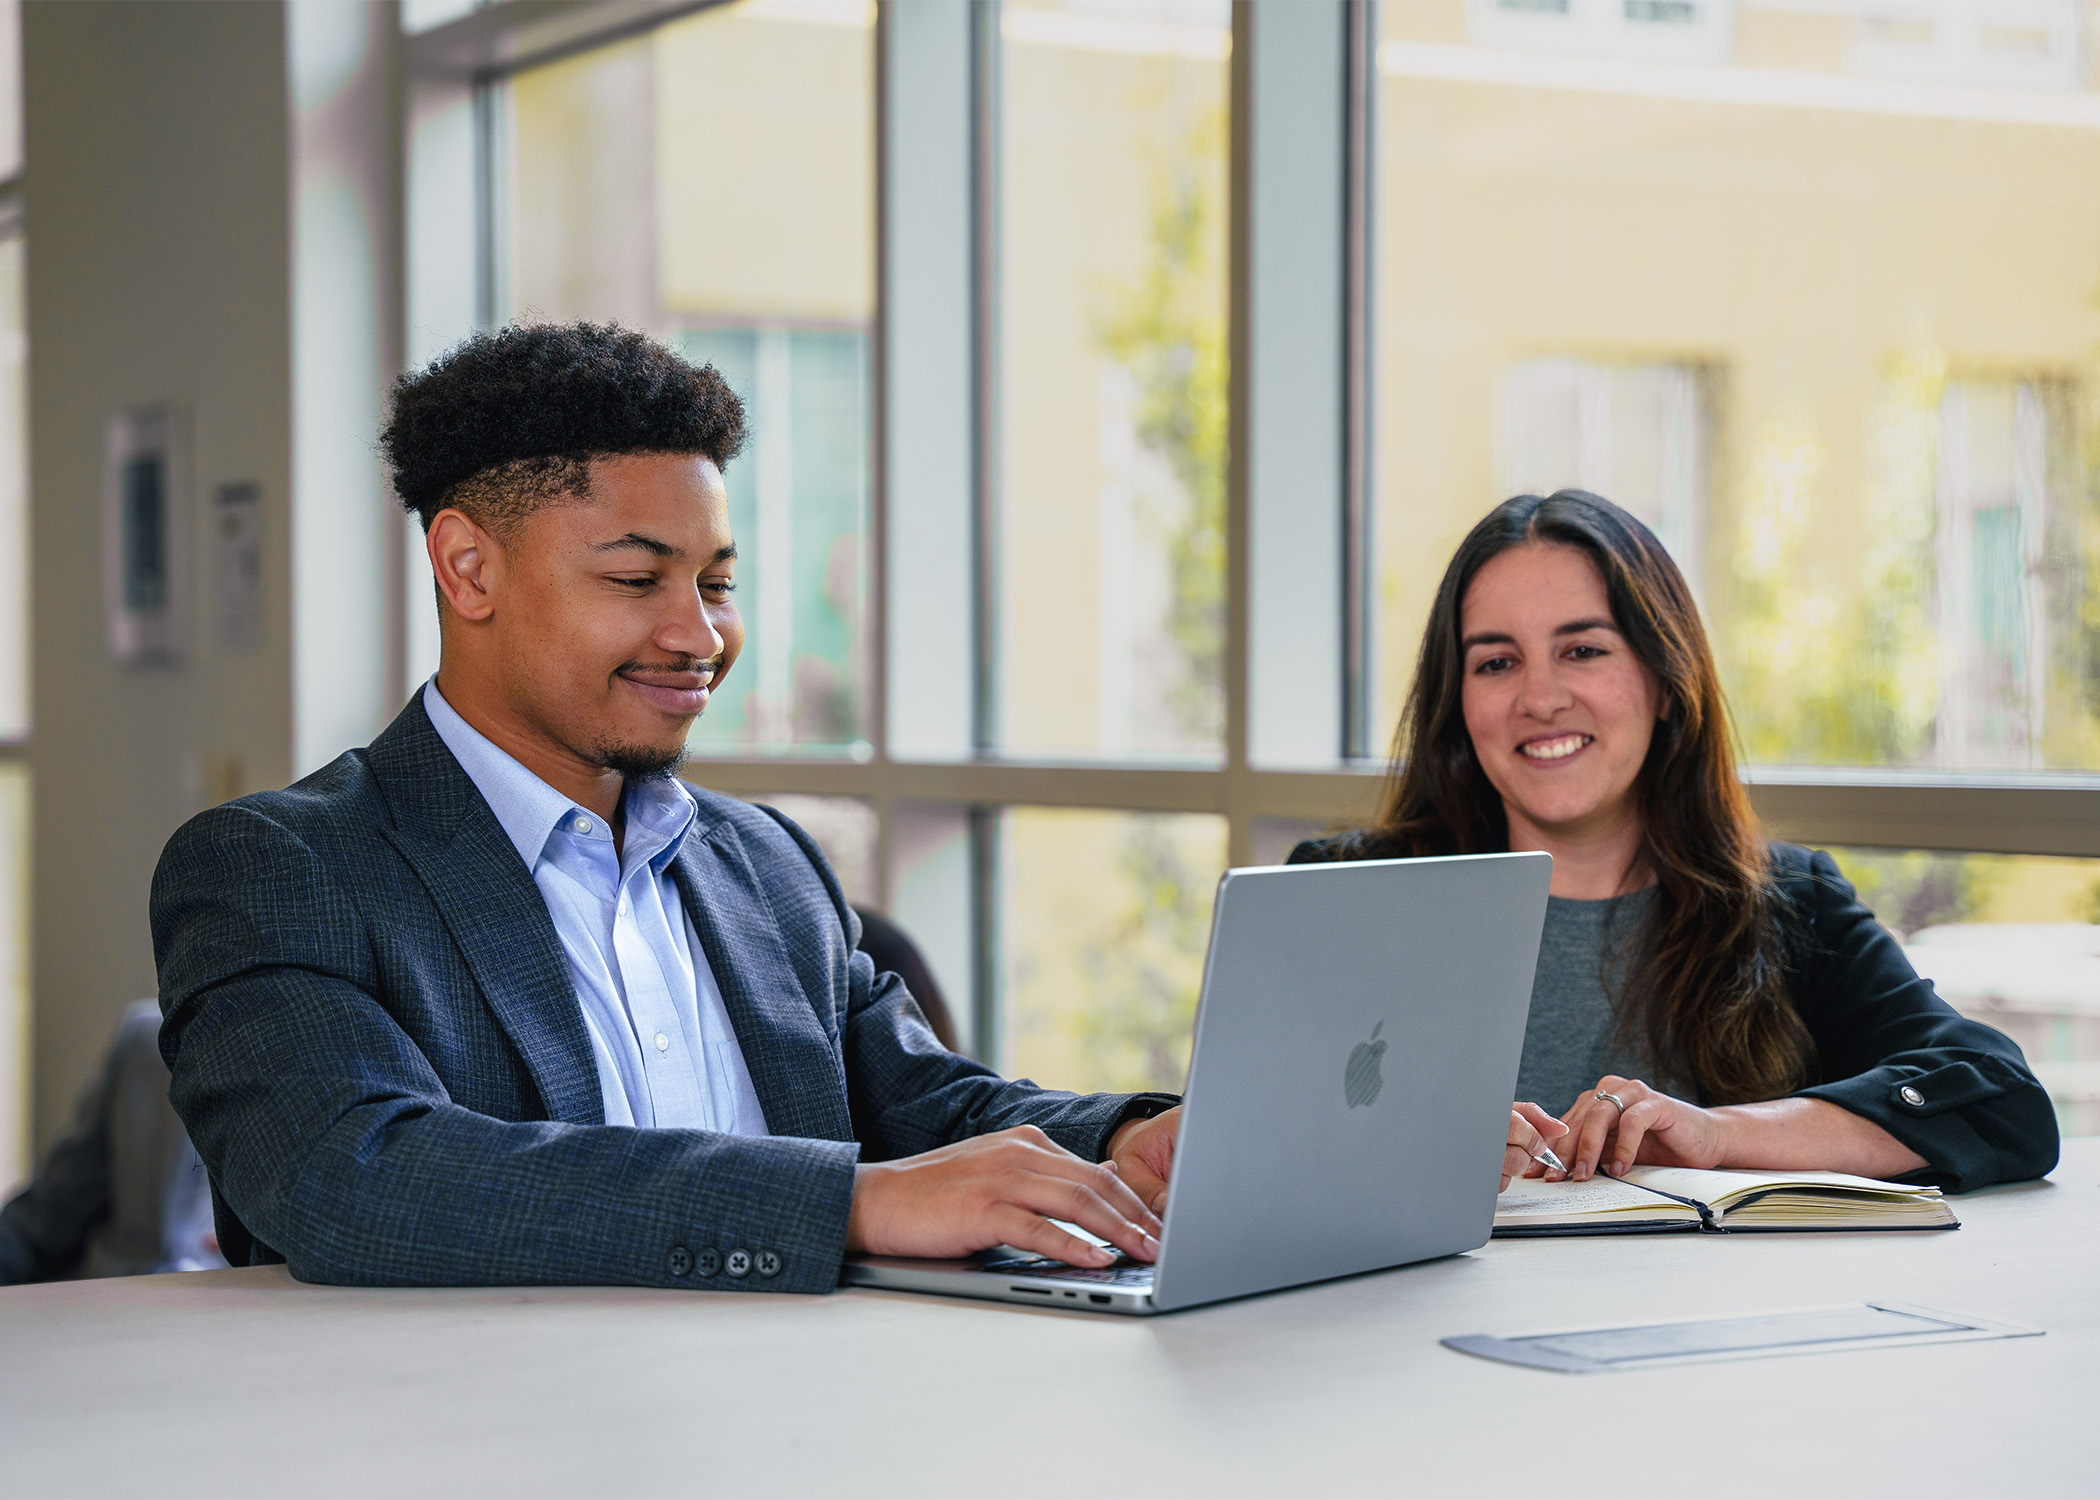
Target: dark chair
<point>122,1193</point>
<point>886,943</point>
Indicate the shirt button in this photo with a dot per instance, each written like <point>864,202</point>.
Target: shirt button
<point>1911,1096</point>
<point>738,1263</point>
<point>583,825</point>
<point>710,1261</point>
<point>768,1263</point>
<point>679,1261</point>
<point>663,1043</point>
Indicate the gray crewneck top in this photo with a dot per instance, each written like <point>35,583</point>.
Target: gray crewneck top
<point>1568,1041</point>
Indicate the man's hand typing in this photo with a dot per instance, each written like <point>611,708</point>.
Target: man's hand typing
<point>1143,1154</point>
<point>999,1189</point>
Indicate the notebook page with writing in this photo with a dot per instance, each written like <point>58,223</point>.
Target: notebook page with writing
<point>1532,1205</point>
<point>1736,1200</point>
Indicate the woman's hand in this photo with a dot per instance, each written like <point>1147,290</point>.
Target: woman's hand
<point>1652,1128</point>
<point>1529,1128</point>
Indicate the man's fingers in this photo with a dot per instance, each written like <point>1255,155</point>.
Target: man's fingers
<point>1103,1180</point>
<point>1017,1227</point>
<point>1059,1197</point>
<point>1151,1189</point>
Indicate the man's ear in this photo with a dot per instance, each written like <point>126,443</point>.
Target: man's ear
<point>467,561</point>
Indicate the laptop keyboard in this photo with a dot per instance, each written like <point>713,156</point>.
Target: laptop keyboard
<point>1122,1272</point>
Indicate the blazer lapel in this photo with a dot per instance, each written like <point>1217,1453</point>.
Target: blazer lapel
<point>444,829</point>
<point>794,1062</point>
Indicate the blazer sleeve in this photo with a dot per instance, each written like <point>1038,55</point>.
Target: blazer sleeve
<point>331,1136</point>
<point>1889,1049</point>
<point>909,1094</point>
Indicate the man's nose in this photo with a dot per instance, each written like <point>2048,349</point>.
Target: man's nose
<point>688,629</point>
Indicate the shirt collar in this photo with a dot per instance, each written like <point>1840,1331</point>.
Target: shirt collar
<point>529,810</point>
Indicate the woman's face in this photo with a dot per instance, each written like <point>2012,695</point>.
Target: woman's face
<point>1559,708</point>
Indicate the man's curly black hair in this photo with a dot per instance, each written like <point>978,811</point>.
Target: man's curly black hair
<point>510,420</point>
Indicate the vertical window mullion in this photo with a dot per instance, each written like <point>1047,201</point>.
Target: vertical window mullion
<point>1360,736</point>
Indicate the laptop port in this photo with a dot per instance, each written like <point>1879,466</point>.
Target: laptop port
<point>1100,1297</point>
<point>1035,1291</point>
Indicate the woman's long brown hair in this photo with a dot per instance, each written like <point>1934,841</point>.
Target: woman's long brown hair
<point>1705,995</point>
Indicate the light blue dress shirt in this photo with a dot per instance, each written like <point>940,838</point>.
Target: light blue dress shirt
<point>666,1052</point>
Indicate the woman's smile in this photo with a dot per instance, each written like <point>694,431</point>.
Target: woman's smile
<point>1557,747</point>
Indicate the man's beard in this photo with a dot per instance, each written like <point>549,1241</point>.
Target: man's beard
<point>639,762</point>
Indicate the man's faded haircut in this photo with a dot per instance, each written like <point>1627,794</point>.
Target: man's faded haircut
<point>509,421</point>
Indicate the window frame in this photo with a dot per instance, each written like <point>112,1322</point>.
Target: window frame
<point>935,367</point>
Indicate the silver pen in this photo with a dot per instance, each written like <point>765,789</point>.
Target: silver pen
<point>1544,1157</point>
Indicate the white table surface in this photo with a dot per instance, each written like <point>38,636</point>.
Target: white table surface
<point>248,1383</point>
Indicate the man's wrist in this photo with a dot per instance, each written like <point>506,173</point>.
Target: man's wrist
<point>1136,1112</point>
<point>1117,1136</point>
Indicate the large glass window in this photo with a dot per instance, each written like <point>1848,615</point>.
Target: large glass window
<point>1742,268</point>
<point>1113,218</point>
<point>1107,918</point>
<point>711,182</point>
<point>1745,269</point>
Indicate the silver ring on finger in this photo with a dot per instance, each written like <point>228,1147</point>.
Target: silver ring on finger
<point>1612,1099</point>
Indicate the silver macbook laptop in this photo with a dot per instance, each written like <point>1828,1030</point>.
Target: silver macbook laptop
<point>1348,1095</point>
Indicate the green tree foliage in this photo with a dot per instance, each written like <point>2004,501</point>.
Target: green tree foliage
<point>1144,967</point>
<point>1825,675</point>
<point>1167,328</point>
<point>1144,970</point>
<point>1913,890</point>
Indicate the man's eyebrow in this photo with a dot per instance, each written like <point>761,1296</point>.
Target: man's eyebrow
<point>648,544</point>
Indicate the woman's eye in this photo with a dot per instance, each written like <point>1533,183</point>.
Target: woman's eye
<point>1585,652</point>
<point>1492,665</point>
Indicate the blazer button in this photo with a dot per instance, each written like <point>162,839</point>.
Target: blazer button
<point>679,1261</point>
<point>1912,1097</point>
<point>738,1263</point>
<point>768,1263</point>
<point>709,1262</point>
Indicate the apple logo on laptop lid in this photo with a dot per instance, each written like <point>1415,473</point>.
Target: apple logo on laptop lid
<point>1363,1078</point>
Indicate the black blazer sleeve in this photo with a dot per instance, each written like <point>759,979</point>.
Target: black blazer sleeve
<point>1889,1049</point>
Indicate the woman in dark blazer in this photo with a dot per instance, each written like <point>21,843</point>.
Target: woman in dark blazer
<point>1707,997</point>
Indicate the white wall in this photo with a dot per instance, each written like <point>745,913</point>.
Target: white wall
<point>160,228</point>
<point>346,342</point>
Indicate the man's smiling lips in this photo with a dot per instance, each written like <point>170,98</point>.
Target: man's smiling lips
<point>681,693</point>
<point>1555,747</point>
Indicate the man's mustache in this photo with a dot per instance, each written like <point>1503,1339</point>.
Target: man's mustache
<point>710,666</point>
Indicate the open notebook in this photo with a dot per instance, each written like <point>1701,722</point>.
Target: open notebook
<point>1649,1199</point>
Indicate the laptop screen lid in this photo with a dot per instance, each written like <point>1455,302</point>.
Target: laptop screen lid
<point>1355,1053</point>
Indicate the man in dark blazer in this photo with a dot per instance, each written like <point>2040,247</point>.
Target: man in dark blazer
<point>495,1000</point>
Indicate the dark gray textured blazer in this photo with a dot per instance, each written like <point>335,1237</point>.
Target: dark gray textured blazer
<point>378,1051</point>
